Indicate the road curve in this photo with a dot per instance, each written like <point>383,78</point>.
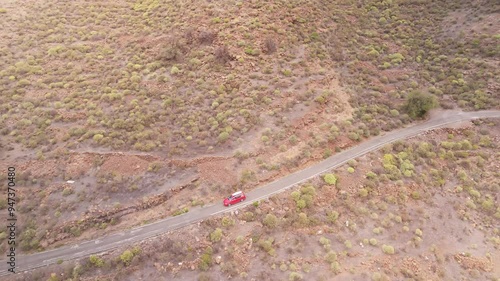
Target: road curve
<point>106,243</point>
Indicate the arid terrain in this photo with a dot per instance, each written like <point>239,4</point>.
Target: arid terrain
<point>422,209</point>
<point>120,113</point>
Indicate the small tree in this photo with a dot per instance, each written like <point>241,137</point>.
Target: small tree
<point>418,104</point>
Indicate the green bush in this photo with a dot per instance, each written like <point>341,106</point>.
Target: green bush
<point>252,52</point>
<point>353,136</point>
<point>180,211</point>
<point>331,257</point>
<point>216,235</point>
<point>295,195</point>
<point>301,204</point>
<point>28,239</point>
<point>248,216</point>
<point>377,230</point>
<point>174,70</point>
<point>474,193</point>
<point>304,197</point>
<point>328,152</point>
<point>67,191</point>
<point>97,138</point>
<point>267,245</point>
<point>303,220</point>
<point>332,216</point>
<point>488,204</point>
<point>227,222</point>
<point>377,276</point>
<point>77,271</point>
<point>388,249</point>
<point>308,190</point>
<point>223,137</point>
<point>330,179</point>
<point>126,257</point>
<point>206,259</point>
<point>325,242</point>
<point>371,175</point>
<point>363,192</point>
<point>415,195</point>
<point>53,277</point>
<point>295,276</point>
<point>154,167</point>
<point>270,221</point>
<point>96,261</point>
<point>240,240</point>
<point>335,267</point>
<point>348,244</point>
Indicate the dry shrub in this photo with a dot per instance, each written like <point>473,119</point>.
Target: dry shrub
<point>206,37</point>
<point>222,54</point>
<point>336,52</point>
<point>171,51</point>
<point>190,36</point>
<point>269,45</point>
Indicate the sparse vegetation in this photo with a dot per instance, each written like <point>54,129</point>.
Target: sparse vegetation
<point>121,113</point>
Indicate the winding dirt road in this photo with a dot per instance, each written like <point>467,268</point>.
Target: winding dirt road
<point>172,223</point>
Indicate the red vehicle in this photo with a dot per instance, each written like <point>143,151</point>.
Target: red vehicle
<point>235,198</point>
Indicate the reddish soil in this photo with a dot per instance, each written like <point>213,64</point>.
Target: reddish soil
<point>221,171</point>
<point>125,164</point>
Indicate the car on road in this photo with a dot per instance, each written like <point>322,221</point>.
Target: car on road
<point>235,198</point>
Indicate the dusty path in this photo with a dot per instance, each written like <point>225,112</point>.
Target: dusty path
<point>160,227</point>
